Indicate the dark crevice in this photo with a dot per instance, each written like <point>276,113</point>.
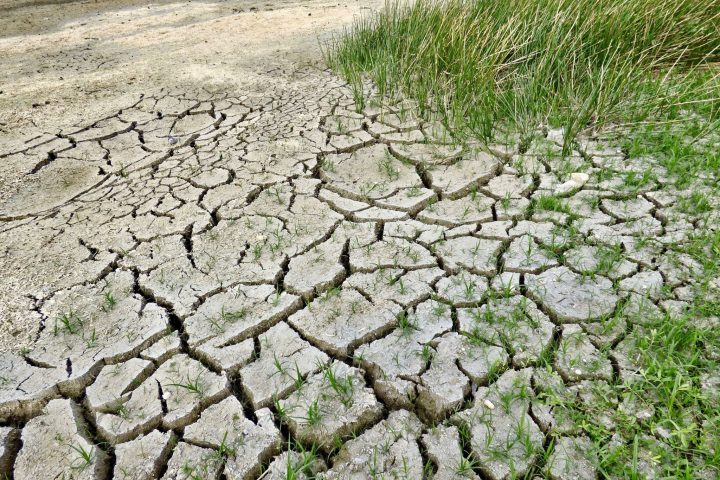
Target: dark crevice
<point>161,398</point>
<point>104,452</point>
<point>379,230</point>
<point>51,157</point>
<point>11,448</point>
<point>188,243</point>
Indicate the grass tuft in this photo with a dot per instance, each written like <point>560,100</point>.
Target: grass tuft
<point>486,67</point>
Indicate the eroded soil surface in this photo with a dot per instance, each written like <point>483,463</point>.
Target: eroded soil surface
<point>201,283</point>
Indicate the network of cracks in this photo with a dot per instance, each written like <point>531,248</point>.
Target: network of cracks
<point>273,283</point>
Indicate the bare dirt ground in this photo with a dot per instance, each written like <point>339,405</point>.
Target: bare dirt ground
<point>216,265</point>
<point>68,62</point>
<point>72,63</point>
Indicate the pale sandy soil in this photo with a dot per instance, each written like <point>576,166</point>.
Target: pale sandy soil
<point>66,64</point>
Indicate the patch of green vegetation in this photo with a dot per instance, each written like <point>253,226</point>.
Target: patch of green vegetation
<point>487,66</point>
<point>687,150</point>
<point>675,428</point>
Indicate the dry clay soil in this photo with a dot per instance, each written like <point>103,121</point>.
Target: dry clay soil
<point>214,264</point>
<point>67,65</point>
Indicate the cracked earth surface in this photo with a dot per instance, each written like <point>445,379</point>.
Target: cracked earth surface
<point>211,282</point>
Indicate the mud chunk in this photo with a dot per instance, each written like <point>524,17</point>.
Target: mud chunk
<point>514,322</point>
<point>578,359</point>
<point>570,297</point>
<point>396,361</point>
<point>509,186</point>
<point>404,287</point>
<point>459,178</point>
<point>98,323</point>
<point>392,253</point>
<point>141,459</point>
<point>525,256</point>
<point>248,444</point>
<point>25,388</point>
<point>474,208</point>
<point>476,255</point>
<point>368,173</point>
<point>443,448</point>
<point>647,283</point>
<point>388,449</point>
<point>189,462</point>
<point>340,321</point>
<point>173,397</point>
<point>283,355</point>
<point>628,209</point>
<point>54,446</point>
<point>462,289</point>
<point>237,314</point>
<point>303,465</point>
<point>604,260</point>
<point>316,270</point>
<point>458,361</point>
<point>111,386</point>
<point>572,458</point>
<point>332,403</point>
<point>504,439</point>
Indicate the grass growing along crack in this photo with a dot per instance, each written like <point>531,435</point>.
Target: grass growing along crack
<point>83,457</point>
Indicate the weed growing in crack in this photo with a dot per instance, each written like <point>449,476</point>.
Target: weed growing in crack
<point>402,290</point>
<point>122,411</point>
<point>109,301</point>
<point>194,386</point>
<point>231,316</point>
<point>83,457</point>
<point>257,251</point>
<point>466,466</point>
<point>91,341</point>
<point>313,416</point>
<point>427,354</point>
<point>406,323</point>
<point>275,299</point>
<point>385,166</point>
<point>201,470</point>
<point>69,322</point>
<point>414,191</point>
<point>439,309</point>
<point>224,449</point>
<point>298,379</point>
<point>551,203</point>
<point>330,293</point>
<point>344,388</point>
<point>367,188</point>
<point>303,466</point>
<point>278,365</point>
<point>280,411</point>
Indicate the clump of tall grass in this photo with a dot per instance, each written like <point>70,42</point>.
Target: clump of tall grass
<point>485,65</point>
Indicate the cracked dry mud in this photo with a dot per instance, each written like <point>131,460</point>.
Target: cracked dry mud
<point>216,282</point>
